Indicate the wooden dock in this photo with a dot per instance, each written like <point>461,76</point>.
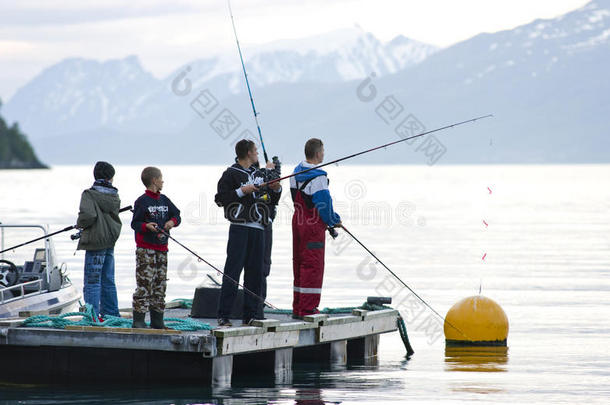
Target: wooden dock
<point>269,346</point>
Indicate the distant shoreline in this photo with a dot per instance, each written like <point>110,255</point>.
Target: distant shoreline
<point>23,166</point>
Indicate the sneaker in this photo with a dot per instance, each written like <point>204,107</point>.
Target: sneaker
<point>224,323</point>
<point>248,321</point>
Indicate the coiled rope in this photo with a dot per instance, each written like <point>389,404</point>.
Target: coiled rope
<point>88,318</point>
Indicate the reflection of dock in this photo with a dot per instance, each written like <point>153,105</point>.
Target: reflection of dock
<point>210,357</point>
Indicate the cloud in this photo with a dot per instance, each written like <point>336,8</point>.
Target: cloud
<point>43,12</point>
<point>78,12</point>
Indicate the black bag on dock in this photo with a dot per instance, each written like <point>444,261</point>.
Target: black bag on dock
<point>205,303</point>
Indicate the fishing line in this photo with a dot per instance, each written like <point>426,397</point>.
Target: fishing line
<point>258,127</point>
<point>66,229</point>
<point>216,268</point>
<point>376,148</point>
<point>402,282</point>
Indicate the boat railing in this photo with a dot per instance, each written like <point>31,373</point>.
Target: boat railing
<point>21,288</point>
<point>47,246</point>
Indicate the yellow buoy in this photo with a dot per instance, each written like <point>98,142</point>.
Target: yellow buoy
<point>476,321</point>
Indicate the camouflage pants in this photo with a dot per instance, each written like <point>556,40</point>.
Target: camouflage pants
<point>151,280</point>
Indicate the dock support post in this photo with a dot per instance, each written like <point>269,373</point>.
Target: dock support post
<point>283,366</point>
<point>283,360</point>
<point>275,364</point>
<point>338,352</point>
<point>363,350</point>
<point>222,369</point>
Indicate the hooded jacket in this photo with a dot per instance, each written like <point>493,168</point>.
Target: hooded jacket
<point>314,187</point>
<point>157,208</point>
<point>98,217</point>
<point>241,208</point>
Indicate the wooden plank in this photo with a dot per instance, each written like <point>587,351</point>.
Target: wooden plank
<point>381,313</point>
<point>297,325</point>
<point>316,318</point>
<point>137,340</point>
<point>173,304</point>
<point>359,312</point>
<point>340,320</point>
<point>134,331</point>
<point>264,323</point>
<point>259,342</point>
<point>356,329</point>
<point>237,331</point>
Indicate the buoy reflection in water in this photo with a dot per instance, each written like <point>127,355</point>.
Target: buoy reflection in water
<point>475,358</point>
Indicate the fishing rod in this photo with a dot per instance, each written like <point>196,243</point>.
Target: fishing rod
<point>399,279</point>
<point>68,228</point>
<point>201,259</point>
<point>258,127</point>
<point>376,148</point>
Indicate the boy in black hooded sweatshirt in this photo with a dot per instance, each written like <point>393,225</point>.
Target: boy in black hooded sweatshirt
<point>152,212</point>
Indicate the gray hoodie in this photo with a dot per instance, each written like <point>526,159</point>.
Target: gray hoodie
<point>98,217</point>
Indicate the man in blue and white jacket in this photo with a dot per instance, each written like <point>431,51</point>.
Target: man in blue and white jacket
<point>313,213</point>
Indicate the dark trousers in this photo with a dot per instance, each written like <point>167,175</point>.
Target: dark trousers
<point>266,267</point>
<point>244,251</point>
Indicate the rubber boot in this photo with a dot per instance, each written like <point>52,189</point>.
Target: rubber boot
<point>138,320</point>
<point>156,319</point>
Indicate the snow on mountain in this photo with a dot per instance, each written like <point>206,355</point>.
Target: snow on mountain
<point>409,52</point>
<point>546,82</point>
<point>321,44</point>
<point>341,55</point>
<point>77,94</point>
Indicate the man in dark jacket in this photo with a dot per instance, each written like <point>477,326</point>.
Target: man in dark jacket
<point>98,217</point>
<point>268,237</point>
<point>243,206</point>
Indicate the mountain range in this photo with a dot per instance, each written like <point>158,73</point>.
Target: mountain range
<point>545,82</point>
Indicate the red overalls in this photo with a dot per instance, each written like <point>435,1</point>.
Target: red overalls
<point>308,236</point>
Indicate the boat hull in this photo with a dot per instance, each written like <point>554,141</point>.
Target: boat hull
<point>56,302</point>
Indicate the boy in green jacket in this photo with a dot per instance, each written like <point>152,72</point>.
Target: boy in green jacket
<point>99,220</point>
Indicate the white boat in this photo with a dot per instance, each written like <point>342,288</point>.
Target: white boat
<point>37,285</point>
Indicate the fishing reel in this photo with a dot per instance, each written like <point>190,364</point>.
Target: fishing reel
<point>269,175</point>
<point>333,232</point>
<point>76,235</point>
<point>272,174</point>
<point>161,233</point>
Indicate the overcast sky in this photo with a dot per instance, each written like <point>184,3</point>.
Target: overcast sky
<point>166,34</point>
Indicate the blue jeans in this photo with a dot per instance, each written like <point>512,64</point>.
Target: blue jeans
<point>99,289</point>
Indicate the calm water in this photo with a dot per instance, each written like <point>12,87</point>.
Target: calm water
<point>547,264</point>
